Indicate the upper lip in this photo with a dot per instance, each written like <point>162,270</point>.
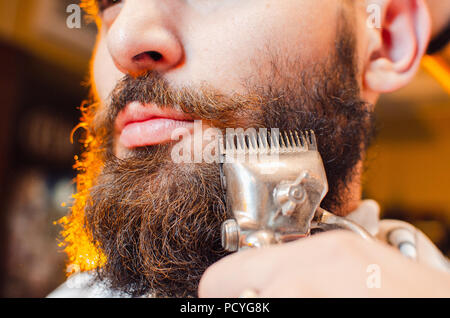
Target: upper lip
<point>137,112</point>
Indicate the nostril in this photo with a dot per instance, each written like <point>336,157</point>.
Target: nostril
<point>155,56</point>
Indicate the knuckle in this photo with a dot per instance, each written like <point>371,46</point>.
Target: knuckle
<point>344,236</point>
<point>341,240</point>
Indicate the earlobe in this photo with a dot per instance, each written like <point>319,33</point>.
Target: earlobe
<point>398,46</point>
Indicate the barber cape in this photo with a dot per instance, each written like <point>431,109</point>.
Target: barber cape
<point>409,240</point>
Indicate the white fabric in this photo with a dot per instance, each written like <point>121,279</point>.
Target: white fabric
<point>83,285</point>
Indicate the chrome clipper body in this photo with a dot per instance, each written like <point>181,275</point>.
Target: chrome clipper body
<point>274,184</point>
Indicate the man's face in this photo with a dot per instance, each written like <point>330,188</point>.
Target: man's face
<point>291,64</point>
<point>222,43</point>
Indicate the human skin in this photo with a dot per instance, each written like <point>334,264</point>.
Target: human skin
<point>225,43</point>
<point>440,15</point>
<point>342,268</point>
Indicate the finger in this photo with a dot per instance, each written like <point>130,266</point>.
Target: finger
<point>256,269</point>
<point>234,274</point>
<point>250,269</point>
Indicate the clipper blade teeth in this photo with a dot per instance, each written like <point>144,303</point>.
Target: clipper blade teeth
<point>311,140</point>
<point>266,140</point>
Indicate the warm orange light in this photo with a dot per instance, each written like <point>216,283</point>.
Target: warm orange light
<point>90,7</point>
<point>83,254</point>
<point>437,67</point>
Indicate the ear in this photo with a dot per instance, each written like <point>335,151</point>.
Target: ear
<point>395,49</point>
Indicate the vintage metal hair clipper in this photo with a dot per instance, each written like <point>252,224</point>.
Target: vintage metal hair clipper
<point>274,183</point>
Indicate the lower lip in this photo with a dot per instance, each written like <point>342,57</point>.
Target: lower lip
<point>154,131</point>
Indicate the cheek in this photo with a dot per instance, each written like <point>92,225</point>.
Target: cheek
<point>105,74</point>
<point>239,42</point>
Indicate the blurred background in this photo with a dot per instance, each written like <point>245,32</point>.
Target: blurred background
<point>43,67</point>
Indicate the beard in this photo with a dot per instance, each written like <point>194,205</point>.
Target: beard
<point>158,223</point>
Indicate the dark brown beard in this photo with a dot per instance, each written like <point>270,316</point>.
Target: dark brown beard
<point>158,223</point>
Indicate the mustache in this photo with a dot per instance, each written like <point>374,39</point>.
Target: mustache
<point>204,103</point>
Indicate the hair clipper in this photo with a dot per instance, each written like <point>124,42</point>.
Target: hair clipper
<point>274,183</point>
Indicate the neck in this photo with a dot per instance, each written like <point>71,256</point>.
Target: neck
<point>353,193</point>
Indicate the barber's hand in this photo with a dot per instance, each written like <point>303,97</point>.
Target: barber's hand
<point>332,264</point>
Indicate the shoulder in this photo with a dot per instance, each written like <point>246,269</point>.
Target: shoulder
<point>84,285</point>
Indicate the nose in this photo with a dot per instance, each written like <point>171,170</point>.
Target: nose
<point>141,41</point>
